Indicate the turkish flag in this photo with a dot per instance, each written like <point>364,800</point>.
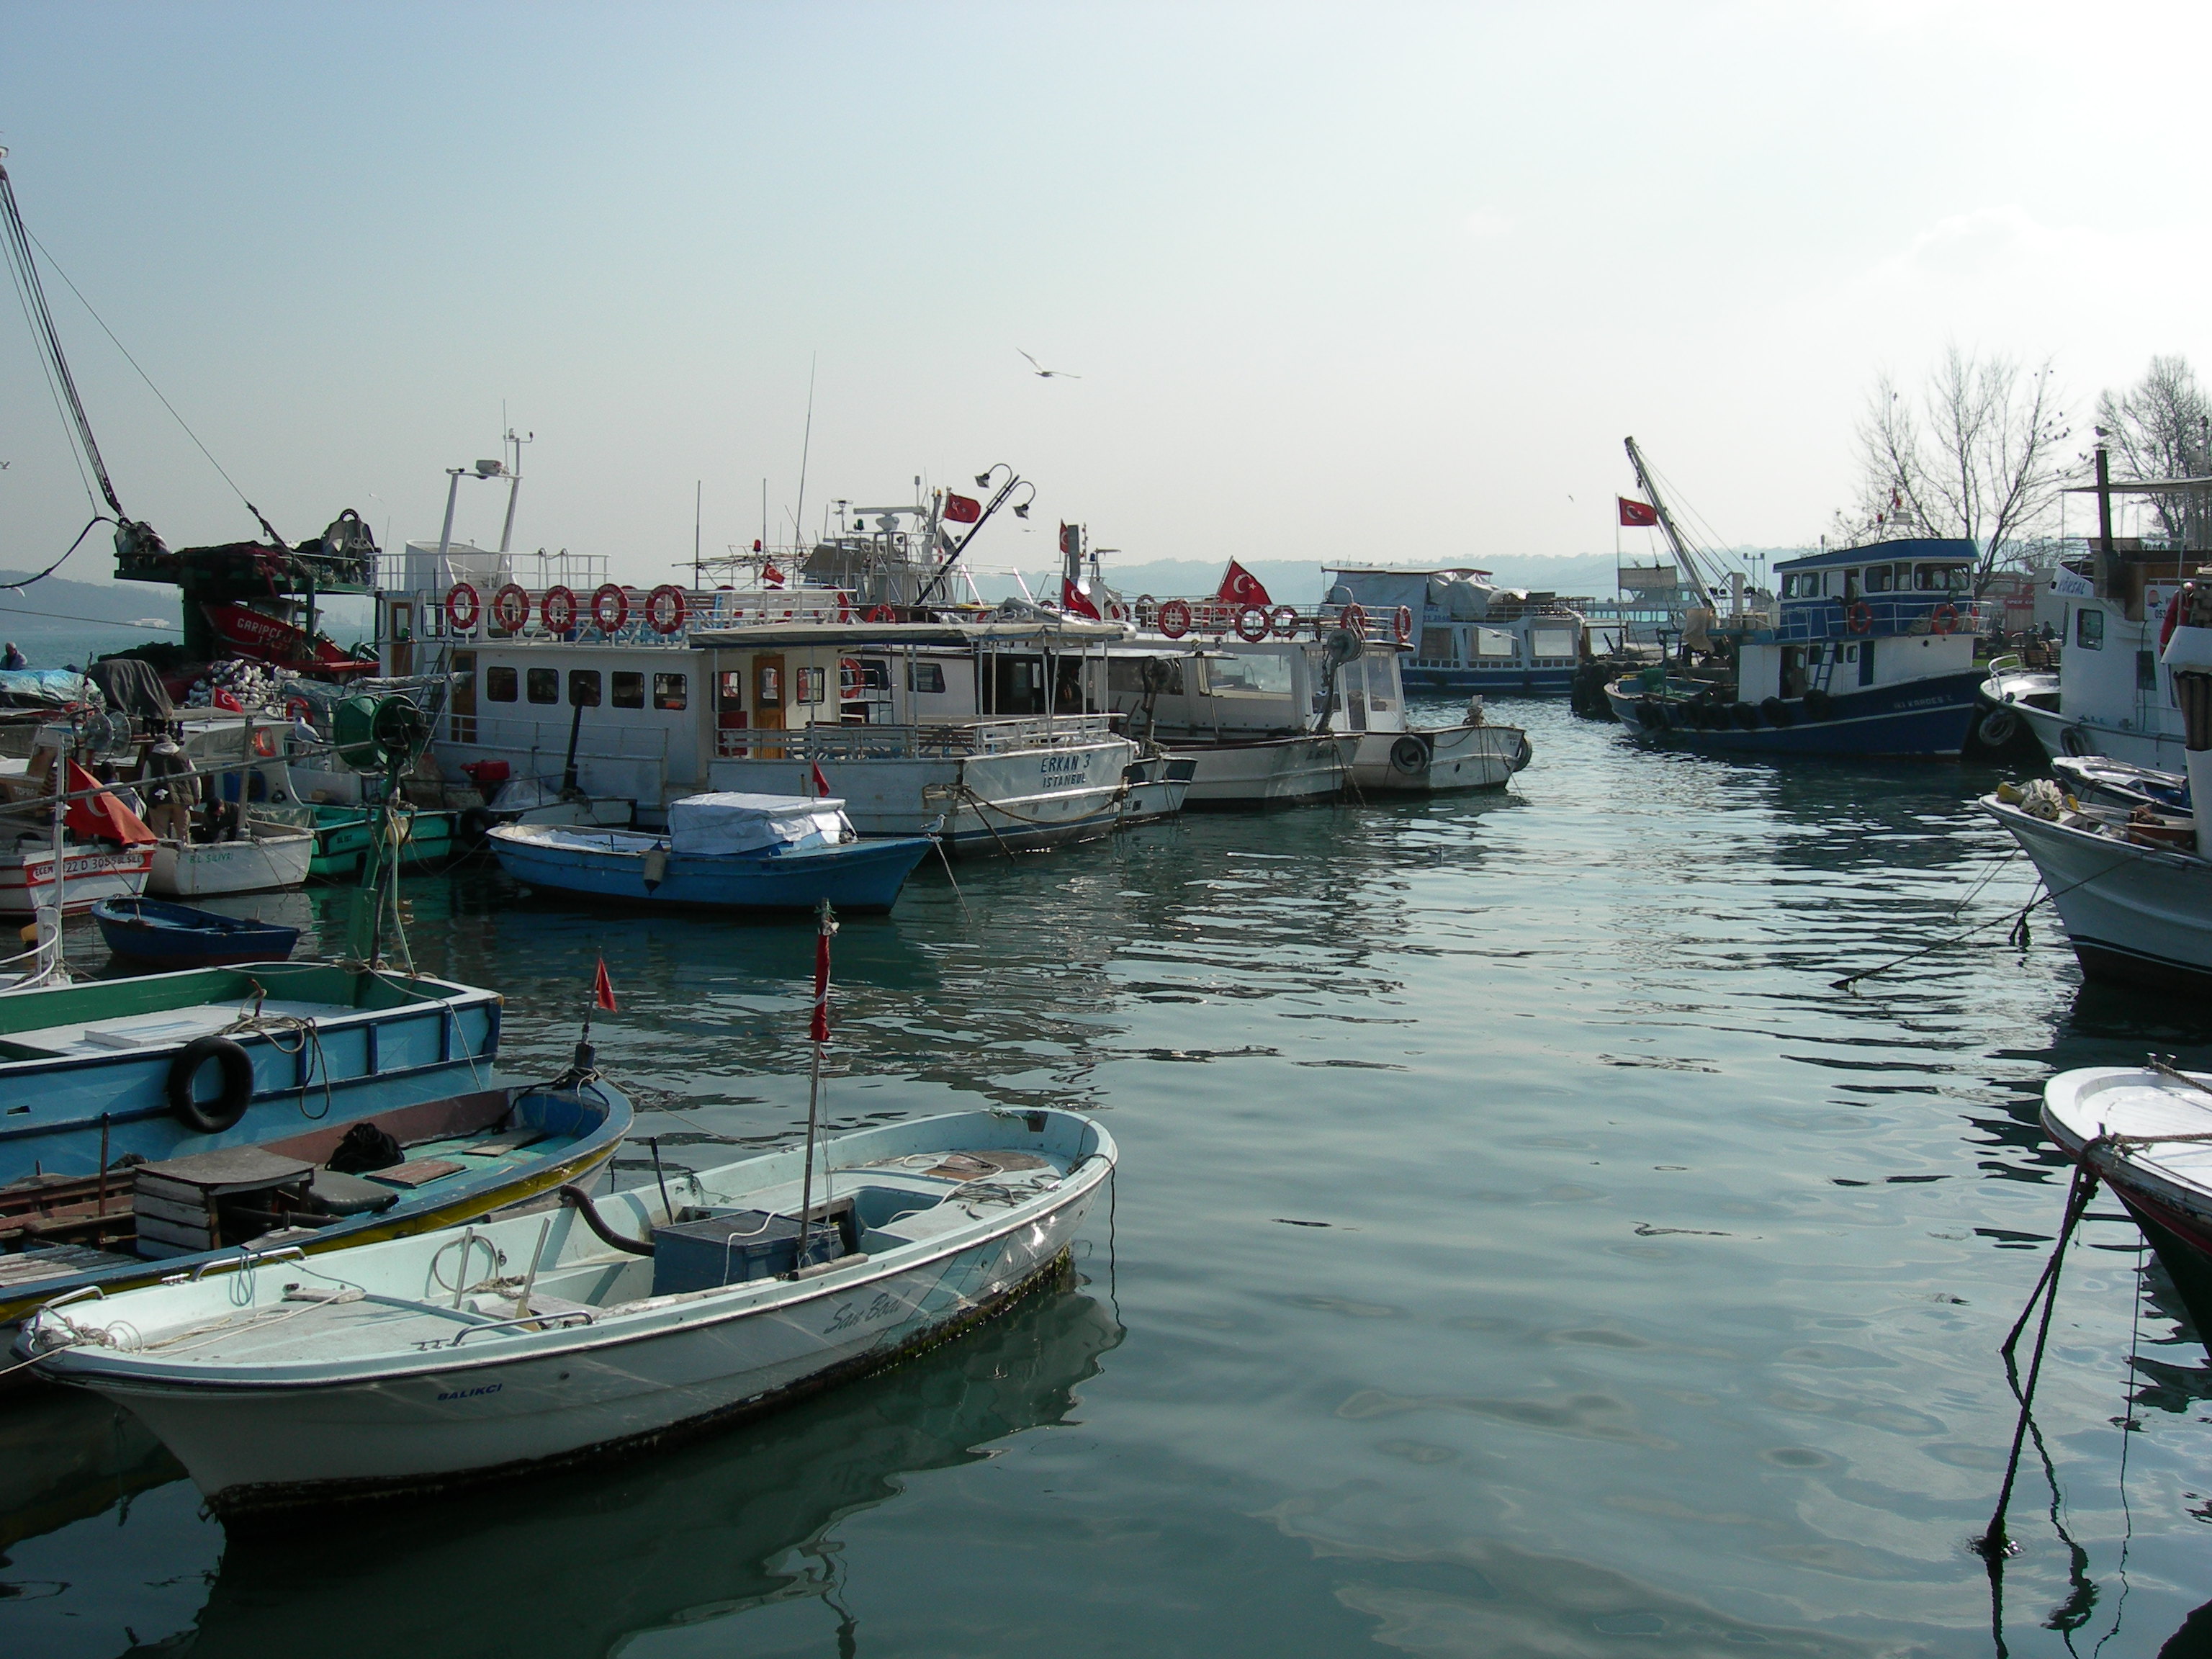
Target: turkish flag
<point>1637,514</point>
<point>962,510</point>
<point>771,575</point>
<point>101,816</point>
<point>819,1028</point>
<point>1074,602</point>
<point>602,989</point>
<point>1240,586</point>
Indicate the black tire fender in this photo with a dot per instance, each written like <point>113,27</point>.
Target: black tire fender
<point>1409,754</point>
<point>2073,742</point>
<point>1819,705</point>
<point>1999,726</point>
<point>210,1117</point>
<point>1777,712</point>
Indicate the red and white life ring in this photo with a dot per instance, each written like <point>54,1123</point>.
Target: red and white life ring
<point>665,608</point>
<point>1175,618</point>
<point>510,608</point>
<point>1858,618</point>
<point>1402,624</point>
<point>1284,621</point>
<point>462,608</point>
<point>882,613</point>
<point>1354,619</point>
<point>610,608</point>
<point>264,741</point>
<point>1116,611</point>
<point>558,607</point>
<point>1251,623</point>
<point>850,681</point>
<point>1944,618</point>
<point>300,708</point>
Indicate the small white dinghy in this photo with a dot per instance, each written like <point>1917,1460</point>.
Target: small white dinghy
<point>482,1352</point>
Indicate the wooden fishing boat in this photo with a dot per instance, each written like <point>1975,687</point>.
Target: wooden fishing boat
<point>345,836</point>
<point>170,1064</point>
<point>2147,1132</point>
<point>722,852</point>
<point>484,1351</point>
<point>264,858</point>
<point>390,1175</point>
<point>162,936</point>
<point>89,874</point>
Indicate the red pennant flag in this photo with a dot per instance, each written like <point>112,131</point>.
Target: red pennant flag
<point>1074,602</point>
<point>602,989</point>
<point>101,816</point>
<point>1637,514</point>
<point>821,783</point>
<point>1240,586</point>
<point>962,510</point>
<point>819,1029</point>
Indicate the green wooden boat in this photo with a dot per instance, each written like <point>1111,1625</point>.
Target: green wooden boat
<point>345,834</point>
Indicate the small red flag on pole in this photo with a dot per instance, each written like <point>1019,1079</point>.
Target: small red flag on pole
<point>602,989</point>
<point>821,783</point>
<point>819,1029</point>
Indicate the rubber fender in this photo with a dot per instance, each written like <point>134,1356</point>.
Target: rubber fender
<point>210,1117</point>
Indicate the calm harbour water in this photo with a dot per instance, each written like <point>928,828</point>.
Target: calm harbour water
<point>1646,1300</point>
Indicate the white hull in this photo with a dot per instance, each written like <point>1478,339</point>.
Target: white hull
<point>1425,762</point>
<point>26,879</point>
<point>269,860</point>
<point>1261,772</point>
<point>2131,912</point>
<point>364,1408</point>
<point>2160,750</point>
<point>1009,801</point>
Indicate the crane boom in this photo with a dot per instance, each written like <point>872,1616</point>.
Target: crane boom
<point>1674,534</point>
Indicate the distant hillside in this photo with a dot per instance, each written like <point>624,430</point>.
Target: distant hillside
<point>59,599</point>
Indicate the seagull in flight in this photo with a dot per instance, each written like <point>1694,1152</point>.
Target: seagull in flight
<point>1042,372</point>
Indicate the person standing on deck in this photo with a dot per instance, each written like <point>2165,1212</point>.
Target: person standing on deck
<point>13,659</point>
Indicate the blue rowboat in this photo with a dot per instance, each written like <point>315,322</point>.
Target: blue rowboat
<point>165,1065</point>
<point>319,1187</point>
<point>160,935</point>
<point>722,852</point>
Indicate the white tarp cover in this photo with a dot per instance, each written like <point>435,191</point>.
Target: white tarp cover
<point>704,826</point>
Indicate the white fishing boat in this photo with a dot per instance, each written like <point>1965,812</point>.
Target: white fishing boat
<point>89,874</point>
<point>262,858</point>
<point>488,1350</point>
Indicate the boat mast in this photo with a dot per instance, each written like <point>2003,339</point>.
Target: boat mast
<point>1675,539</point>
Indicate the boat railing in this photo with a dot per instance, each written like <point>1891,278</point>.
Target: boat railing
<point>1879,614</point>
<point>848,743</point>
<point>614,614</point>
<point>503,735</point>
<point>1219,619</point>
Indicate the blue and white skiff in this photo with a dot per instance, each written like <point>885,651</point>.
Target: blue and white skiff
<point>488,1350</point>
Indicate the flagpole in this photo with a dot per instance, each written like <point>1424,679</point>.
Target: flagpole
<point>818,1030</point>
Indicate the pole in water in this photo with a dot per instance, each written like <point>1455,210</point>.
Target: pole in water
<point>818,1031</point>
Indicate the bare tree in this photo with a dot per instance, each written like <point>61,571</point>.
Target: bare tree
<point>1975,456</point>
<point>2162,427</point>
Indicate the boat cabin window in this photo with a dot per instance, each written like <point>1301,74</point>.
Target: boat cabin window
<point>1436,645</point>
<point>1877,578</point>
<point>1551,642</point>
<point>811,684</point>
<point>925,676</point>
<point>629,690</point>
<point>1125,676</point>
<point>499,685</point>
<point>729,691</point>
<point>1250,677</point>
<point>583,687</point>
<point>2089,627</point>
<point>1493,642</point>
<point>1940,579</point>
<point>1018,685</point>
<point>670,692</point>
<point>543,685</point>
<point>768,685</point>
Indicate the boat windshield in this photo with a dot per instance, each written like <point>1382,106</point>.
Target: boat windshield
<point>1254,676</point>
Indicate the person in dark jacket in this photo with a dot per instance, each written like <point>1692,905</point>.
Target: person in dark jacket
<point>13,659</point>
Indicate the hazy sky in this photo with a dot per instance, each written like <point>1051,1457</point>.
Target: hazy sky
<point>1360,282</point>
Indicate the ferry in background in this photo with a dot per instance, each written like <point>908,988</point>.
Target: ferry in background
<point>1469,635</point>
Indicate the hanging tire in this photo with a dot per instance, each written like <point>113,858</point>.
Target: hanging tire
<point>210,1117</point>
<point>2073,743</point>
<point>1649,715</point>
<point>1409,754</point>
<point>1778,711</point>
<point>1522,754</point>
<point>1999,726</point>
<point>1819,705</point>
<point>1745,715</point>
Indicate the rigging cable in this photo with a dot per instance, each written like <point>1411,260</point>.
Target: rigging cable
<point>42,324</point>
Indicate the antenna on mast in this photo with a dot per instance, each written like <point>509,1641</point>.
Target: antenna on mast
<point>513,480</point>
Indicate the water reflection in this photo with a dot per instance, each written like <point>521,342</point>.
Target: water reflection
<point>575,1564</point>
